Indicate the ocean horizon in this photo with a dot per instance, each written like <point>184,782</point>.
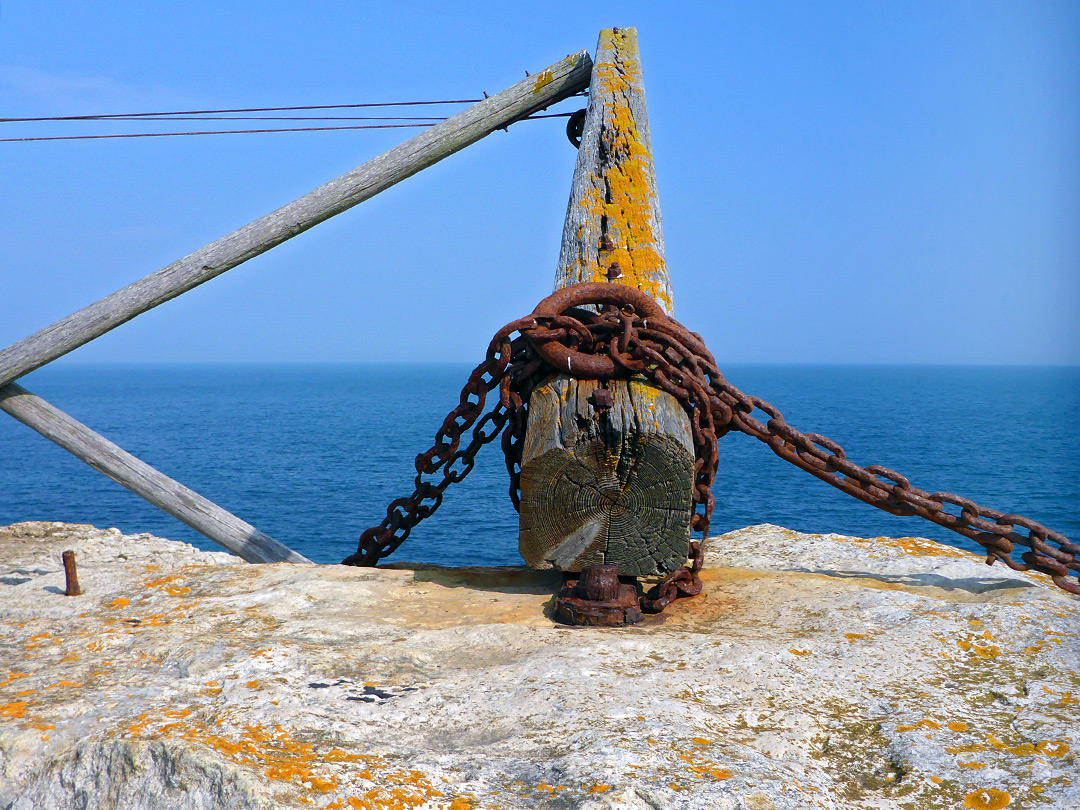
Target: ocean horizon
<point>311,453</point>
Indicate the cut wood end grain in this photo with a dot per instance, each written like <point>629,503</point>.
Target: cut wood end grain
<point>613,487</point>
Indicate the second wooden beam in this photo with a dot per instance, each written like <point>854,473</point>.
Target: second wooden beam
<point>186,505</point>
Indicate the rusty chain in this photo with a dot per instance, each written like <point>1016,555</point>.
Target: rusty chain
<point>508,367</point>
<point>630,335</point>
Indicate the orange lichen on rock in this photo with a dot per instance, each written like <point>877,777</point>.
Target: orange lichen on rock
<point>168,585</point>
<point>276,755</point>
<point>989,799</point>
<point>926,722</point>
<point>715,771</point>
<point>404,790</point>
<point>36,641</point>
<point>1052,748</point>
<point>981,650</point>
<point>705,767</point>
<point>914,546</point>
<point>921,547</point>
<point>13,676</point>
<point>14,710</point>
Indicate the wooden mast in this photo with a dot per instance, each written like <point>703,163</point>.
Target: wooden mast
<point>610,486</point>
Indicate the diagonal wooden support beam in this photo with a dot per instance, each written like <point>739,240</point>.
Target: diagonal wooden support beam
<point>540,90</point>
<point>550,85</point>
<point>610,485</point>
<point>205,517</point>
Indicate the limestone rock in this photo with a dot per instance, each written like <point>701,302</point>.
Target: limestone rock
<point>814,671</point>
<point>123,773</point>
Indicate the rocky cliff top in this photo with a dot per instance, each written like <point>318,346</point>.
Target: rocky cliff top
<point>814,671</point>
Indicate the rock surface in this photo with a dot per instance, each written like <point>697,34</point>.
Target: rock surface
<point>815,671</point>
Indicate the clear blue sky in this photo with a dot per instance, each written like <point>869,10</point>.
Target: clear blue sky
<point>840,182</point>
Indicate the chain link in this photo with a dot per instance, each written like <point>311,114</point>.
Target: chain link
<point>629,335</point>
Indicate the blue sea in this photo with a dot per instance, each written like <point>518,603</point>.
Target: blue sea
<point>311,454</point>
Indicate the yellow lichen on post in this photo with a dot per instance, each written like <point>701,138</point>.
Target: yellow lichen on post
<point>543,79</point>
<point>631,179</point>
<point>618,235</point>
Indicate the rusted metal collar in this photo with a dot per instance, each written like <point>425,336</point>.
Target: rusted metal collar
<point>598,599</point>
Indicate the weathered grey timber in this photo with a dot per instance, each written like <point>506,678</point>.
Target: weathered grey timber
<point>536,92</point>
<point>205,517</point>
<point>611,487</point>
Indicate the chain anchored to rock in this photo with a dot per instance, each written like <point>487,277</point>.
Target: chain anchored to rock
<point>631,336</point>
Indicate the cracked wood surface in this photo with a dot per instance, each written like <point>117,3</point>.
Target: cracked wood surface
<point>613,487</point>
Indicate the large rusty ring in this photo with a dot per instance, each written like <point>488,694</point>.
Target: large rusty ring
<point>578,364</point>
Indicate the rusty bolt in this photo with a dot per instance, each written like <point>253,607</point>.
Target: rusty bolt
<point>71,574</point>
<point>601,399</point>
<point>606,243</point>
<point>614,271</point>
<point>599,583</point>
<point>598,599</point>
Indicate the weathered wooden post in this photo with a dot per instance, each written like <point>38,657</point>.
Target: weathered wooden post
<point>609,484</point>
